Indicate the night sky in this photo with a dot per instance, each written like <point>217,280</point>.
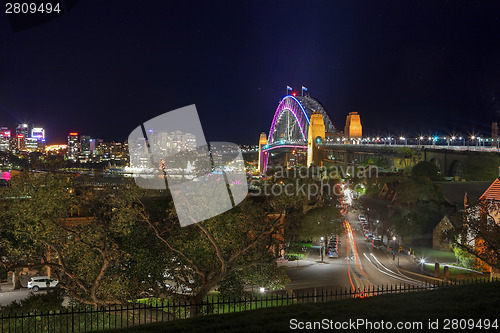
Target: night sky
<point>105,67</point>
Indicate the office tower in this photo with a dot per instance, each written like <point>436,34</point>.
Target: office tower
<point>4,139</point>
<point>86,145</point>
<point>22,133</point>
<point>73,145</point>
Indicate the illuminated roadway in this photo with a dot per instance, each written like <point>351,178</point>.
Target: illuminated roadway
<point>359,266</point>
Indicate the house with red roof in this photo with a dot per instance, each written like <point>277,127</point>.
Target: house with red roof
<point>490,210</point>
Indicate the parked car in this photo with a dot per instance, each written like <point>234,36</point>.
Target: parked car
<point>41,282</point>
<point>333,253</point>
<point>361,217</point>
<point>333,239</point>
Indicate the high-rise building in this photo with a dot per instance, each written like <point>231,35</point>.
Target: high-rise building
<point>86,148</point>
<point>22,129</point>
<point>22,133</point>
<point>20,142</point>
<point>4,139</point>
<point>97,149</point>
<point>31,144</point>
<point>38,133</point>
<point>92,146</point>
<point>73,145</point>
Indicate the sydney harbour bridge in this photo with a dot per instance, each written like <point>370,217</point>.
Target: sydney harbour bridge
<point>292,119</point>
<point>303,130</point>
<point>299,122</point>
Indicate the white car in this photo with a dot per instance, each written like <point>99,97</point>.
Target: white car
<point>41,282</point>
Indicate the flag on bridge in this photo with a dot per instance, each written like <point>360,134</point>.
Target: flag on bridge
<point>304,88</point>
<point>288,88</point>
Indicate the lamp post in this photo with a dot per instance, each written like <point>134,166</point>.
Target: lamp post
<point>322,248</point>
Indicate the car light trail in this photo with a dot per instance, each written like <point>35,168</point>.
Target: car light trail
<point>392,274</point>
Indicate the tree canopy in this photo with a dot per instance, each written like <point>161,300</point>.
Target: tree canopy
<point>111,245</point>
<point>477,232</point>
<point>426,169</point>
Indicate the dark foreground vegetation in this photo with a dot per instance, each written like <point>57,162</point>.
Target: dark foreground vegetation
<point>473,303</point>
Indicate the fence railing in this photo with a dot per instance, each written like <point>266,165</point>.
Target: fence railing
<point>87,318</point>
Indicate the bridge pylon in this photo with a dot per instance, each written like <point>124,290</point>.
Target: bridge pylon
<point>316,135</point>
<point>353,131</point>
<point>262,154</point>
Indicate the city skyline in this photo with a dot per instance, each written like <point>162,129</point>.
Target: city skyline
<point>103,69</point>
<point>380,136</point>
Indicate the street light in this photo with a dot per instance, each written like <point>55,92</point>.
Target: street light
<point>322,250</point>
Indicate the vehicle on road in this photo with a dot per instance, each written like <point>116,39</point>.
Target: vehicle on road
<point>332,253</point>
<point>41,282</point>
<point>377,243</point>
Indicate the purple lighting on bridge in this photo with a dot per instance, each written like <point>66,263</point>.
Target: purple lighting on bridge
<point>293,110</point>
<point>286,146</point>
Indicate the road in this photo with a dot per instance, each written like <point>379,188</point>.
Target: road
<point>359,266</point>
<point>7,296</point>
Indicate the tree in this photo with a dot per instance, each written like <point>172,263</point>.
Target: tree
<point>481,166</point>
<point>202,254</point>
<point>95,257</point>
<point>267,276</point>
<point>232,286</point>
<point>426,169</point>
<point>407,156</point>
<point>477,232</point>
<point>126,242</point>
<point>418,207</point>
<point>320,222</point>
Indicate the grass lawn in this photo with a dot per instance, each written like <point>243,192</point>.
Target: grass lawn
<point>478,302</point>
<point>454,272</point>
<point>215,304</point>
<point>432,255</point>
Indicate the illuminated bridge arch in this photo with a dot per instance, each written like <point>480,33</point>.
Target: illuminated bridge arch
<point>292,117</point>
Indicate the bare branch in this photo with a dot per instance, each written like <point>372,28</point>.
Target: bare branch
<point>215,245</point>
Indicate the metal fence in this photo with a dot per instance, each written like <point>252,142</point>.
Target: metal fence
<point>87,318</point>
